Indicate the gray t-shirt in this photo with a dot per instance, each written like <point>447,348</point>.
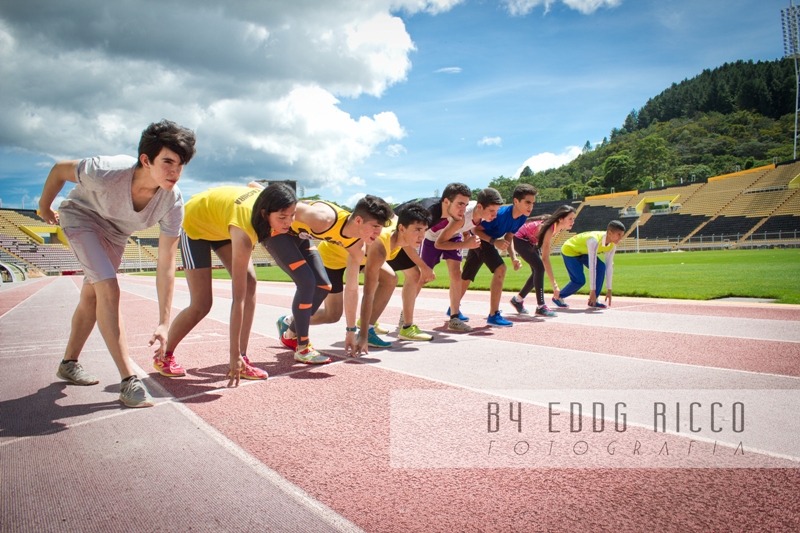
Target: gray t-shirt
<point>102,201</point>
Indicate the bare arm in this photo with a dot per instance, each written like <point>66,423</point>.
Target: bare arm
<point>242,248</point>
<point>376,256</point>
<point>165,285</point>
<point>547,240</point>
<point>62,172</point>
<point>354,257</point>
<point>443,241</point>
<point>426,272</point>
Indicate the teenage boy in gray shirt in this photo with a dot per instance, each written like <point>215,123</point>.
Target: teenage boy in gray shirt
<point>114,197</point>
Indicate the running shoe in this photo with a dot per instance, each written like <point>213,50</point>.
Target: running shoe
<point>168,366</point>
<point>73,372</point>
<point>282,326</point>
<point>375,341</point>
<point>461,317</point>
<point>289,343</point>
<point>497,320</point>
<point>133,393</point>
<point>413,333</point>
<point>456,324</point>
<point>560,303</point>
<point>599,305</point>
<point>310,356</point>
<point>544,311</point>
<point>378,329</point>
<point>251,372</point>
<point>519,305</point>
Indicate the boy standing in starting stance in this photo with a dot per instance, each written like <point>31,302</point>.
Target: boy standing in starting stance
<point>114,197</point>
<point>387,251</point>
<point>581,251</point>
<point>496,236</point>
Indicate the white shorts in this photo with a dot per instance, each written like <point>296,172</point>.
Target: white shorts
<point>99,257</point>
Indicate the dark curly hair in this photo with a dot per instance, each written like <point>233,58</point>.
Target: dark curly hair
<point>167,134</point>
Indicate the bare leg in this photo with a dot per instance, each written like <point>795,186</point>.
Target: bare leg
<point>225,255</point>
<point>409,293</point>
<point>199,281</point>
<point>496,289</point>
<point>109,320</point>
<point>331,311</point>
<point>454,270</point>
<point>83,321</point>
<point>387,281</point>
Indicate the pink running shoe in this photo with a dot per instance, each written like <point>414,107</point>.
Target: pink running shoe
<point>251,372</point>
<point>168,366</point>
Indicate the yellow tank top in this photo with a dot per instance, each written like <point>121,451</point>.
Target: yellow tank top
<point>335,256</point>
<point>208,214</point>
<point>576,245</point>
<point>386,238</point>
<point>333,234</point>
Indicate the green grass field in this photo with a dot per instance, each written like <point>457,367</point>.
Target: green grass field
<point>688,275</point>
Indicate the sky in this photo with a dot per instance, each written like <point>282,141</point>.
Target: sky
<point>394,98</point>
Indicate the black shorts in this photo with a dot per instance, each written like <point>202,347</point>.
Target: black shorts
<point>401,261</point>
<point>196,253</point>
<point>487,255</point>
<point>336,277</point>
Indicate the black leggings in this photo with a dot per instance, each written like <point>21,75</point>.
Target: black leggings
<point>533,257</point>
<point>304,265</point>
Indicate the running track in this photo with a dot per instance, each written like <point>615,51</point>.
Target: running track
<point>320,448</point>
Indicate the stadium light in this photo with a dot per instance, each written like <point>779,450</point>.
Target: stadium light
<point>790,21</point>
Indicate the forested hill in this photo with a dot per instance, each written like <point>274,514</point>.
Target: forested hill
<point>740,114</point>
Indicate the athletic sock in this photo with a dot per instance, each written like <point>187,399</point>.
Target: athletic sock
<point>405,326</point>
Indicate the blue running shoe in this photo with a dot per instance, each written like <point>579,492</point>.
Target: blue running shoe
<point>497,320</point>
<point>599,305</point>
<point>282,327</point>
<point>375,341</point>
<point>560,303</point>
<point>461,317</point>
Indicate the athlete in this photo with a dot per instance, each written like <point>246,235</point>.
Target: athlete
<point>581,251</point>
<point>451,232</point>
<point>496,236</point>
<point>342,259</point>
<point>532,243</point>
<point>391,249</point>
<point>218,219</point>
<point>114,197</point>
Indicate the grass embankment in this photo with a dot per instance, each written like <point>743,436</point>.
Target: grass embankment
<point>700,275</point>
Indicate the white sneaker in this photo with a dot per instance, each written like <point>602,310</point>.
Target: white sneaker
<point>456,324</point>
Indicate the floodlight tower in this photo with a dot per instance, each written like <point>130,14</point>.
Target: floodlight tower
<point>790,20</point>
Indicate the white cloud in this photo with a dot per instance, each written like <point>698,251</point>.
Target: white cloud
<point>547,160</point>
<point>587,7</point>
<point>355,180</point>
<point>394,150</point>
<point>448,70</point>
<point>491,141</point>
<point>380,174</point>
<point>258,81</point>
<point>353,200</point>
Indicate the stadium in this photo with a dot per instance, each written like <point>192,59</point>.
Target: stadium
<point>754,208</point>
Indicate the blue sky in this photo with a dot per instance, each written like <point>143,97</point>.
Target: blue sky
<point>393,98</point>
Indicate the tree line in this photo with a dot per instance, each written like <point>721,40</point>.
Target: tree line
<point>739,115</point>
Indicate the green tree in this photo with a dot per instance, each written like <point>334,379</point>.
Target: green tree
<point>526,172</point>
<point>619,173</point>
<point>651,157</point>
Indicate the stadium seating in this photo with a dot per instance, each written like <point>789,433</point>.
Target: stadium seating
<point>757,207</point>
